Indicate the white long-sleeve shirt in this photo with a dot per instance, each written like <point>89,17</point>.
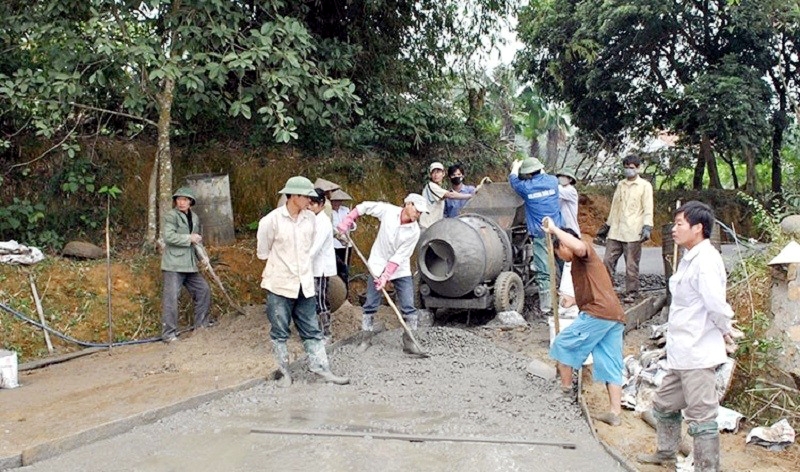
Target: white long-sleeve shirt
<point>699,315</point>
<point>285,243</point>
<point>395,241</point>
<point>322,253</point>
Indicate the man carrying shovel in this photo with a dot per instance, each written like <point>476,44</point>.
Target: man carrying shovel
<point>599,327</point>
<point>179,265</point>
<point>389,259</point>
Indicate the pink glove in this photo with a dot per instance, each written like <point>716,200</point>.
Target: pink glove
<point>380,282</point>
<point>347,223</point>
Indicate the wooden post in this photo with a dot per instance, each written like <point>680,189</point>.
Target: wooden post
<point>41,314</point>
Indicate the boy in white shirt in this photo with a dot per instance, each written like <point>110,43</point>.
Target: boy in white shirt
<point>323,261</point>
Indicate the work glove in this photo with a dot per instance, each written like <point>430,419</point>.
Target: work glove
<point>381,281</point>
<point>515,167</point>
<point>646,230</point>
<point>485,180</point>
<point>603,231</point>
<point>347,223</point>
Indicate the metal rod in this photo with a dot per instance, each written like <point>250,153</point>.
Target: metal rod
<point>407,437</point>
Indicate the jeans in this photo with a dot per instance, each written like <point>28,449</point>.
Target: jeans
<point>404,291</point>
<point>282,310</point>
<point>201,295</point>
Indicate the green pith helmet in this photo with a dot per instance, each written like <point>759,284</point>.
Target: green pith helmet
<point>184,192</point>
<point>530,165</point>
<point>567,172</point>
<point>299,185</point>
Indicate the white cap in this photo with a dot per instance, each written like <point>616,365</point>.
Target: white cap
<point>434,166</point>
<point>418,201</point>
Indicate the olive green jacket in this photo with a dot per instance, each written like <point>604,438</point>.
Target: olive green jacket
<point>179,255</point>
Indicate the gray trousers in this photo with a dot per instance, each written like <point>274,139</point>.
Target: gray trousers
<point>198,289</point>
<point>692,391</point>
<point>633,254</point>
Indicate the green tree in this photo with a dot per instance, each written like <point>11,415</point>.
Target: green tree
<point>73,64</point>
<point>636,67</point>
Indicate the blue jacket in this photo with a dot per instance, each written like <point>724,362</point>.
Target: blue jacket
<point>541,199</point>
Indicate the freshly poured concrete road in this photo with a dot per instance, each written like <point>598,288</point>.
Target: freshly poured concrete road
<point>468,388</point>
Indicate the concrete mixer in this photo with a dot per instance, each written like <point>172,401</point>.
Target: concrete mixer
<point>480,259</point>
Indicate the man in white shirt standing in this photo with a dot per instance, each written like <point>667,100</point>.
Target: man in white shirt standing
<point>699,328</point>
<point>323,261</point>
<point>285,238</point>
<point>390,259</point>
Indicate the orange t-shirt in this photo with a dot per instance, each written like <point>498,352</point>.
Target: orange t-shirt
<point>594,292</point>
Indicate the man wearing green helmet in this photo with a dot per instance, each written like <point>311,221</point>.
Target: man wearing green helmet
<point>284,239</point>
<point>179,265</point>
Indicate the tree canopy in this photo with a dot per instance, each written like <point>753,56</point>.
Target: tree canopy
<point>703,70</point>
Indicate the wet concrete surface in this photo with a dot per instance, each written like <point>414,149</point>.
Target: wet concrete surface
<point>468,388</point>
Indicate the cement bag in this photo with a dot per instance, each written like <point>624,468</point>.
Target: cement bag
<point>8,369</point>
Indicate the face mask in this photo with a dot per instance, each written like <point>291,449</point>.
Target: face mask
<point>456,180</point>
<point>564,181</point>
<point>630,172</point>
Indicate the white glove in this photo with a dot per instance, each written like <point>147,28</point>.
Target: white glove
<point>515,167</point>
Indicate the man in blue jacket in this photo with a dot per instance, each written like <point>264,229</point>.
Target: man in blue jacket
<point>179,265</point>
<point>540,193</point>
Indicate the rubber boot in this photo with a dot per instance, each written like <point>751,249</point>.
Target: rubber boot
<point>411,348</point>
<point>668,435</point>
<point>545,302</point>
<point>318,362</point>
<point>367,332</point>
<point>281,353</point>
<point>706,452</point>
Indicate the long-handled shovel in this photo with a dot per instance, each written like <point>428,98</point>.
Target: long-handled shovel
<point>551,265</point>
<point>389,300</point>
<point>205,263</point>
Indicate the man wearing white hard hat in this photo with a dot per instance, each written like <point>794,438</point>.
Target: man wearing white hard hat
<point>390,258</point>
<point>285,238</point>
<point>435,195</point>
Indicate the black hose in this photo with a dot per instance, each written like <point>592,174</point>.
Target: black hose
<point>71,339</point>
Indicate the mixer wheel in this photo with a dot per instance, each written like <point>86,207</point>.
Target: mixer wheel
<point>509,293</point>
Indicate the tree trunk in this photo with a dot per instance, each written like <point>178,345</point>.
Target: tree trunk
<point>779,123</point>
<point>750,176</point>
<point>699,170</point>
<point>163,160</point>
<point>732,164</point>
<point>476,99</point>
<point>533,150</point>
<point>707,153</point>
<point>553,138</point>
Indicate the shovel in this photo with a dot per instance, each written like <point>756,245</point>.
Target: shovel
<point>205,263</point>
<point>389,300</point>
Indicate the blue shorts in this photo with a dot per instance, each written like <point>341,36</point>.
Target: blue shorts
<point>601,338</point>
